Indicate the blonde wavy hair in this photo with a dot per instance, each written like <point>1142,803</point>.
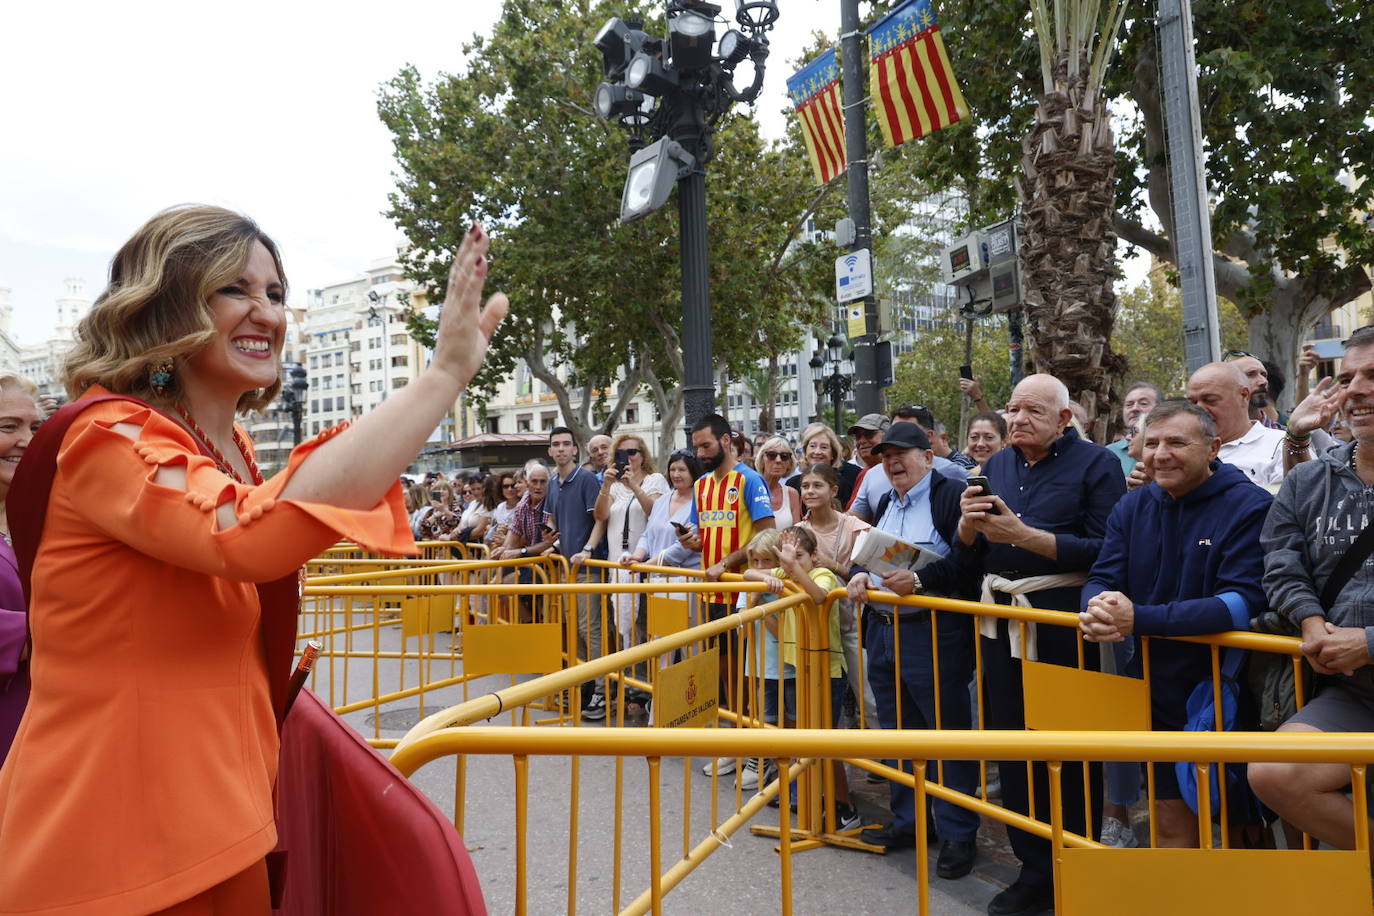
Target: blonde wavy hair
<point>10,380</point>
<point>157,305</point>
<point>644,455</point>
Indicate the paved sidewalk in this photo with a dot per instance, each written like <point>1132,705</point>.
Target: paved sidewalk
<point>739,880</point>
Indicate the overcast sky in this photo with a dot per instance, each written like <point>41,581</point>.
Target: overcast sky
<point>113,111</point>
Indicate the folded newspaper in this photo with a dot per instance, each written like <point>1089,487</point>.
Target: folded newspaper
<point>880,553</point>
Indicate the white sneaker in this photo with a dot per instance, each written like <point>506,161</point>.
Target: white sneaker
<point>748,777</point>
<point>721,766</point>
<point>1118,834</point>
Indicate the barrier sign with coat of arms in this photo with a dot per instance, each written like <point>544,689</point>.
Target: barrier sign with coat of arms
<point>686,694</point>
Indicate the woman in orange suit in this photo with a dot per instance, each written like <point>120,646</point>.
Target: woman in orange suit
<point>141,778</point>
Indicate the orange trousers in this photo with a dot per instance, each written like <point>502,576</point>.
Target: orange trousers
<point>244,894</point>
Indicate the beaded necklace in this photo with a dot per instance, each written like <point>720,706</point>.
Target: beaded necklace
<point>220,461</point>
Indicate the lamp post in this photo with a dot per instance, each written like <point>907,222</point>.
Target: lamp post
<point>672,91</point>
<point>292,398</point>
<point>837,383</point>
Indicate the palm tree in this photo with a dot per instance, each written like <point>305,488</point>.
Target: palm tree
<point>1068,246</point>
<point>761,383</point>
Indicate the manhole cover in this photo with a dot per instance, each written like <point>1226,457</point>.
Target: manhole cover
<point>402,719</point>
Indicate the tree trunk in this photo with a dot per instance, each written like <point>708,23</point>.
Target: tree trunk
<point>724,389</point>
<point>1068,248</point>
<point>767,420</point>
<point>670,409</point>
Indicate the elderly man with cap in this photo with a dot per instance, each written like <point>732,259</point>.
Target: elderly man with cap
<point>935,431</point>
<point>1036,535</point>
<point>873,483</point>
<point>921,508</point>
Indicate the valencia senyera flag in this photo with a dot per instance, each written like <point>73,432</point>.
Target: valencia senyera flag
<point>815,92</point>
<point>913,86</point>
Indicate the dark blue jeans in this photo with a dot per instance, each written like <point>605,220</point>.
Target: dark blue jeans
<point>917,686</point>
<point>1004,698</point>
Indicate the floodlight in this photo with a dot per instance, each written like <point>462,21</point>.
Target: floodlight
<point>734,47</point>
<point>691,35</point>
<point>611,42</point>
<point>612,100</point>
<point>647,74</point>
<point>653,172</point>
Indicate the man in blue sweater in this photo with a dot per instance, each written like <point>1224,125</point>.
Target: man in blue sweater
<point>1199,522</point>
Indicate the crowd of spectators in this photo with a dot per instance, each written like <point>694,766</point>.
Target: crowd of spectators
<point>1024,510</point>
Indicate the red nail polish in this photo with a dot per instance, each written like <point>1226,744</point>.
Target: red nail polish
<point>476,229</point>
<point>480,267</point>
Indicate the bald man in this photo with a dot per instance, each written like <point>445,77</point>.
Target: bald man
<point>1223,390</point>
<point>1035,537</point>
<point>1257,376</point>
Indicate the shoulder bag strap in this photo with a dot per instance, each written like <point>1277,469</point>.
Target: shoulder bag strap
<point>1347,566</point>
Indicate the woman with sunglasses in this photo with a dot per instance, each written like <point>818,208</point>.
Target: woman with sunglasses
<point>628,492</point>
<point>776,463</point>
<point>504,495</point>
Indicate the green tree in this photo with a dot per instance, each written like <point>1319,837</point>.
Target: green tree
<point>1149,333</point>
<point>929,373</point>
<point>1286,92</point>
<point>513,141</point>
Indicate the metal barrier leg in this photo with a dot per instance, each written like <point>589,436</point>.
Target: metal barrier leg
<point>922,840</point>
<point>522,800</point>
<point>655,823</point>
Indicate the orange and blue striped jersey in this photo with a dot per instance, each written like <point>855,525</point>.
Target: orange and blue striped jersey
<point>724,512</point>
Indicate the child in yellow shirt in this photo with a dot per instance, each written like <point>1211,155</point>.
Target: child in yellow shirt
<point>799,564</point>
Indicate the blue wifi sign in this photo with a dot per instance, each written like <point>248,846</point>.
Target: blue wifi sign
<point>854,276</point>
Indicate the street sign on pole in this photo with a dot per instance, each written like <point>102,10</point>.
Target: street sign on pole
<point>855,324</point>
<point>854,275</point>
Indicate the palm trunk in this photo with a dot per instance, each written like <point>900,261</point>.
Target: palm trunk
<point>1068,246</point>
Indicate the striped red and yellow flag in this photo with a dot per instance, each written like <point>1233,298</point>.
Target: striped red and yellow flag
<point>913,86</point>
<point>815,92</point>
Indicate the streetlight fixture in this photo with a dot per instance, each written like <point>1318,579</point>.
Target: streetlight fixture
<point>292,397</point>
<point>669,93</point>
<point>837,383</point>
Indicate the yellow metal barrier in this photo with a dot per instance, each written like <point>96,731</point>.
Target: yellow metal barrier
<point>1084,869</point>
<point>667,615</point>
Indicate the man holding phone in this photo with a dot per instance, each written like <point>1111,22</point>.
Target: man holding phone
<point>1053,492</point>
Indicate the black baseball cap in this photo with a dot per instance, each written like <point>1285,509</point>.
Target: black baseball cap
<point>904,435</point>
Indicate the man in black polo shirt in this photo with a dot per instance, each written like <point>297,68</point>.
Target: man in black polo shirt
<point>1052,493</point>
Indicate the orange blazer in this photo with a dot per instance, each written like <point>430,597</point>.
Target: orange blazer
<point>143,770</point>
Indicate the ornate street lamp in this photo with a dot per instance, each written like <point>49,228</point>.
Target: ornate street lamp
<point>669,93</point>
<point>837,383</point>
<point>292,397</point>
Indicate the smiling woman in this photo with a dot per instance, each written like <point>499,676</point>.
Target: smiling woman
<point>165,583</point>
<point>19,420</point>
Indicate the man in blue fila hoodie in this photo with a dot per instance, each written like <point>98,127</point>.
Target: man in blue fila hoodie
<point>1181,557</point>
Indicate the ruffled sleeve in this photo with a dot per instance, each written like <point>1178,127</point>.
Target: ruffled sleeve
<point>111,481</point>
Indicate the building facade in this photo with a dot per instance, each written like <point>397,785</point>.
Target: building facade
<point>42,362</point>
